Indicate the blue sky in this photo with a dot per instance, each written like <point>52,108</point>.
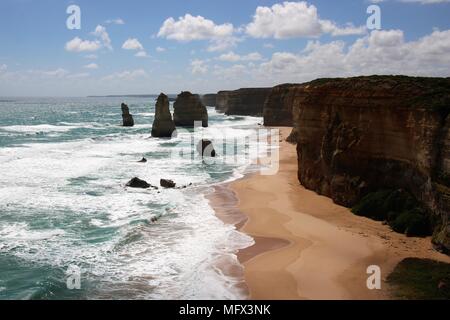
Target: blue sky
<point>212,45</point>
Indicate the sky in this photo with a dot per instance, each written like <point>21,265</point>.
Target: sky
<point>148,47</point>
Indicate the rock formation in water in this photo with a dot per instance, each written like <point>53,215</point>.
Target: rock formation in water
<point>188,108</point>
<point>209,99</point>
<point>168,184</point>
<point>127,118</point>
<point>206,149</point>
<point>138,183</point>
<point>279,105</point>
<point>163,125</point>
<point>243,102</point>
<point>358,136</point>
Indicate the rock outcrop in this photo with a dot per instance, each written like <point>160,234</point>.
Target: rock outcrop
<point>365,134</point>
<point>163,125</point>
<point>138,183</point>
<point>209,99</point>
<point>278,110</point>
<point>206,149</point>
<point>127,118</point>
<point>188,108</point>
<point>167,184</point>
<point>242,102</point>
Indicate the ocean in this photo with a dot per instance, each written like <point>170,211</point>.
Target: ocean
<point>64,163</point>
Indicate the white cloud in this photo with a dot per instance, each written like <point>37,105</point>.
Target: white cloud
<point>234,72</point>
<point>79,45</point>
<point>233,57</point>
<point>91,66</point>
<point>198,67</point>
<point>223,44</point>
<point>129,75</point>
<point>294,20</point>
<point>117,21</point>
<point>190,28</point>
<point>132,44</point>
<point>3,67</point>
<point>381,52</point>
<point>100,31</point>
<point>268,45</point>
<point>81,75</point>
<point>58,73</point>
<point>160,49</point>
<point>142,54</point>
<point>91,56</point>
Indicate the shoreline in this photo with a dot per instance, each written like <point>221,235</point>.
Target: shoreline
<point>307,247</point>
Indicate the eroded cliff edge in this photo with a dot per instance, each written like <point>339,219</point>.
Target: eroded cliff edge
<point>364,134</point>
<point>242,102</point>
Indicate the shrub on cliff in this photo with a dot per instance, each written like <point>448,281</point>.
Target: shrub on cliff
<point>415,278</point>
<point>398,208</point>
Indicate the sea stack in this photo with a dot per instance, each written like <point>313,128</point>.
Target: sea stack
<point>163,125</point>
<point>127,118</point>
<point>188,108</point>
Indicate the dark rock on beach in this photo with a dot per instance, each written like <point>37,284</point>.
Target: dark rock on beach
<point>138,183</point>
<point>188,109</point>
<point>163,125</point>
<point>127,118</point>
<point>206,149</point>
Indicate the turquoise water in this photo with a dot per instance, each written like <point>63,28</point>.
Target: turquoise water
<point>64,163</point>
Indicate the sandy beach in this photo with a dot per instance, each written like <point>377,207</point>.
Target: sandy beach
<point>307,247</point>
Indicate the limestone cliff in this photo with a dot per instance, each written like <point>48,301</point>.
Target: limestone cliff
<point>209,99</point>
<point>243,102</point>
<point>222,101</point>
<point>360,135</point>
<point>188,108</point>
<point>280,104</point>
<point>163,125</point>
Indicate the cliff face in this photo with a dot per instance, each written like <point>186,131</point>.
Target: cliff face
<point>188,108</point>
<point>209,99</point>
<point>222,101</point>
<point>243,102</point>
<point>163,125</point>
<point>360,135</point>
<point>280,104</point>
